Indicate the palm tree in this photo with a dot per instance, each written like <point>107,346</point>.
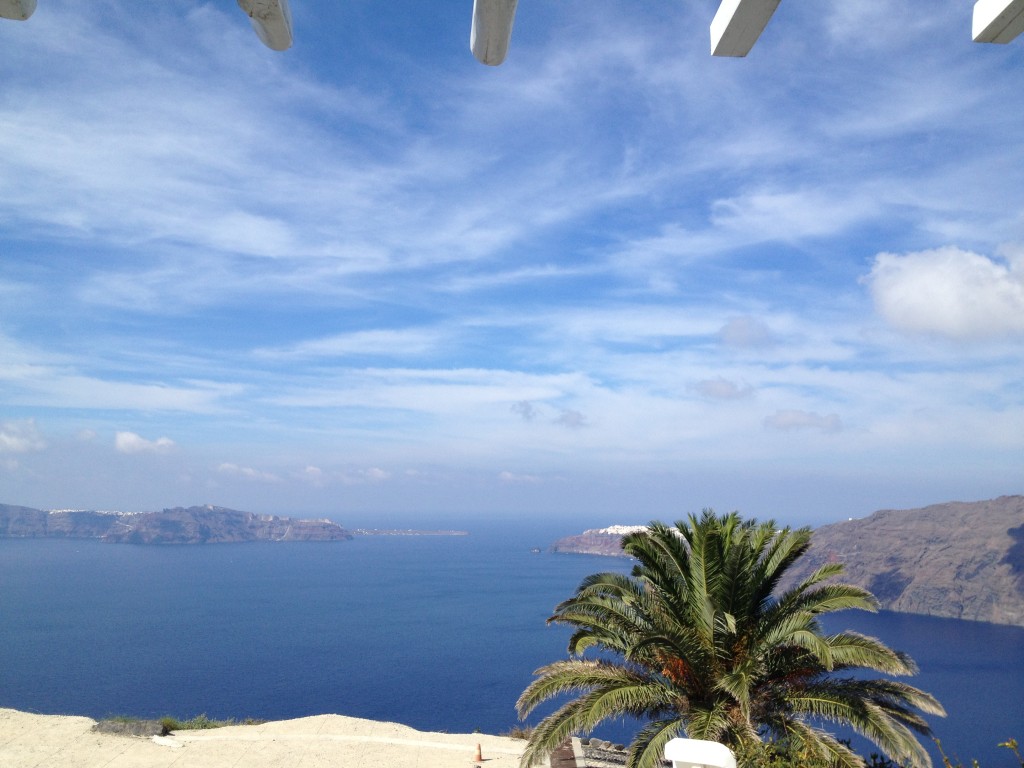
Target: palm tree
<point>698,642</point>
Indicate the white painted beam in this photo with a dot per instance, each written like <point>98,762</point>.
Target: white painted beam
<point>491,33</point>
<point>272,20</point>
<point>17,9</point>
<point>698,753</point>
<point>997,21</point>
<point>738,24</point>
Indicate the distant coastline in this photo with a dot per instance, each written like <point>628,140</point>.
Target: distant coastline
<point>207,524</point>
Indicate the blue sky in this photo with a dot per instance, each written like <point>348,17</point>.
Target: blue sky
<point>612,280</point>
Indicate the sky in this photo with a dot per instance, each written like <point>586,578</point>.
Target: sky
<point>613,280</point>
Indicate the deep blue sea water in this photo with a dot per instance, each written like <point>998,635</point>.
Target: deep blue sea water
<point>439,633</point>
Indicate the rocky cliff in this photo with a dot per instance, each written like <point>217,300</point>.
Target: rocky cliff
<point>193,525</point>
<point>962,560</point>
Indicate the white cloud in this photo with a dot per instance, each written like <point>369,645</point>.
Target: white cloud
<point>790,215</point>
<point>249,473</point>
<point>949,292</point>
<point>379,342</point>
<point>440,392</point>
<point>487,280</point>
<point>363,476</point>
<point>788,420</point>
<point>20,437</point>
<point>513,478</point>
<point>310,475</point>
<point>129,442</point>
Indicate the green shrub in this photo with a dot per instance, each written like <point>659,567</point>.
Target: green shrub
<point>779,755</point>
<point>518,732</point>
<point>201,723</point>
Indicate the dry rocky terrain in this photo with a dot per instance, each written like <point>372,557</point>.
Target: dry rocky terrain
<point>959,560</point>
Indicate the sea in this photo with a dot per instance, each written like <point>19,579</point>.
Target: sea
<point>441,633</point>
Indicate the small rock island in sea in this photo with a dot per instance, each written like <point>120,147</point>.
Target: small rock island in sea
<point>596,541</point>
<point>207,524</point>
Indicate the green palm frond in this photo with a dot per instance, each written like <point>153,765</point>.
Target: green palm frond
<point>825,598</point>
<point>663,563</point>
<point>880,710</point>
<point>894,695</point>
<point>820,746</point>
<point>704,576</point>
<point>781,551</point>
<point>781,630</point>
<point>648,748</point>
<point>819,575</point>
<point>573,676</point>
<point>610,584</point>
<point>599,612</point>
<point>893,737</point>
<point>852,649</point>
<point>709,722</point>
<point>738,683</point>
<point>608,692</point>
<point>831,597</point>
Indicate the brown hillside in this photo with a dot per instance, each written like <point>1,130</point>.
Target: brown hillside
<point>963,560</point>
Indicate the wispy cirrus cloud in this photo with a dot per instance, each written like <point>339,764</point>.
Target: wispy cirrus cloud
<point>391,343</point>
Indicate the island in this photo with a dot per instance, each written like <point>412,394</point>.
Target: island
<point>206,524</point>
<point>960,560</point>
<point>596,541</point>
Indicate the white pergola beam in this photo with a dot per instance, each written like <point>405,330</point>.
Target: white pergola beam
<point>997,21</point>
<point>738,24</point>
<point>272,21</point>
<point>491,33</point>
<point>17,9</point>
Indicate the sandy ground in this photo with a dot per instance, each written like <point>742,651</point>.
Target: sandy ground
<point>57,741</point>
